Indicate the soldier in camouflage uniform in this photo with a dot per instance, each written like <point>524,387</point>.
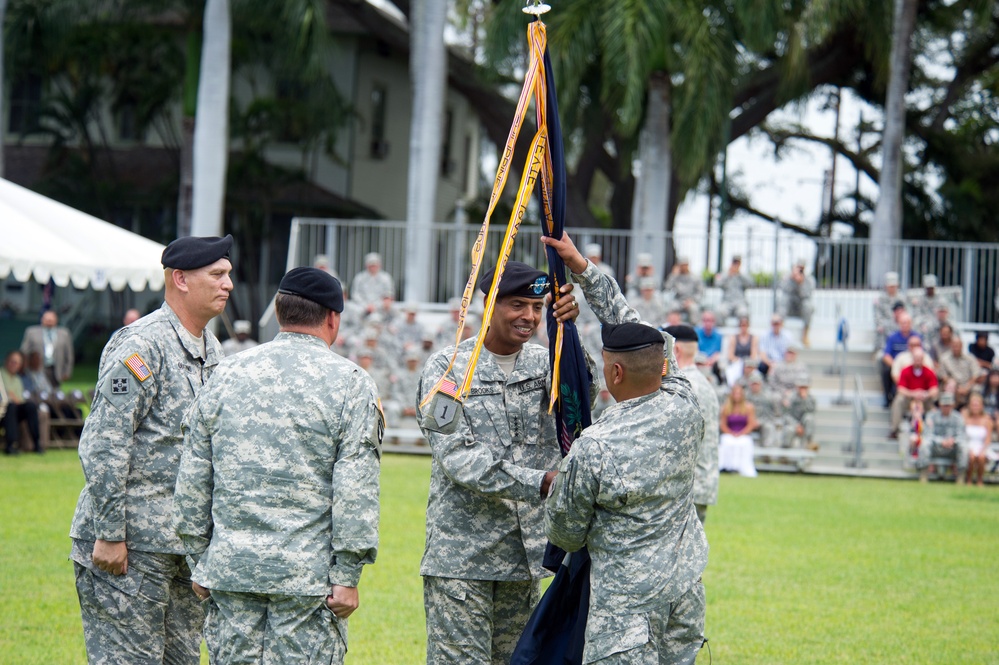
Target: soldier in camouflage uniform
<point>685,289</point>
<point>485,535</point>
<point>943,436</point>
<point>924,306</point>
<point>405,391</point>
<point>796,297</point>
<point>884,311</point>
<point>706,474</point>
<point>733,285</point>
<point>769,410</point>
<point>799,431</point>
<point>370,286</point>
<point>277,494</point>
<point>131,575</point>
<point>625,492</point>
<point>785,376</point>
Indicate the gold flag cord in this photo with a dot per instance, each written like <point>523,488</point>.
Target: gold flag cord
<point>538,161</point>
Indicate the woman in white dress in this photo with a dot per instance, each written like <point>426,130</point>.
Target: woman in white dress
<point>978,429</point>
<point>735,446</point>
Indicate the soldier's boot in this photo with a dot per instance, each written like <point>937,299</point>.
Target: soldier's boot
<point>814,447</point>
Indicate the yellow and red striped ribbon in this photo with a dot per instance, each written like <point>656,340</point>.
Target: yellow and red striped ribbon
<point>538,162</point>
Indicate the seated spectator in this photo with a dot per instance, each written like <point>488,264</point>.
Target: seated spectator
<point>941,345</point>
<point>942,318</point>
<point>322,262</point>
<point>990,394</point>
<point>963,369</point>
<point>774,344</point>
<point>643,269</point>
<point>685,288</point>
<point>800,427</point>
<point>650,303</point>
<point>896,343</point>
<point>674,317</point>
<point>410,331</point>
<point>981,350</point>
<point>904,359</point>
<point>916,382</point>
<point>19,409</point>
<point>884,311</point>
<point>242,341</point>
<point>381,375</point>
<point>594,253</point>
<point>404,390</point>
<point>370,286</point>
<point>34,377</point>
<point>944,437</point>
<point>743,344</point>
<point>749,367</point>
<point>735,446</point>
<point>978,428</point>
<point>709,342</point>
<point>769,410</point>
<point>786,376</point>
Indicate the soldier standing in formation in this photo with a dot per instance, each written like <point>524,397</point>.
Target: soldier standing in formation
<point>277,494</point>
<point>625,492</point>
<point>706,474</point>
<point>733,285</point>
<point>131,574</point>
<point>796,297</point>
<point>485,534</point>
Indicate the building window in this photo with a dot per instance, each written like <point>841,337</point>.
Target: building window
<point>127,122</point>
<point>379,111</point>
<point>25,104</point>
<point>447,162</point>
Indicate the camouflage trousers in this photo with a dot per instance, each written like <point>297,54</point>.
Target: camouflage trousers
<point>670,636</point>
<point>797,307</point>
<point>476,622</point>
<point>273,630</point>
<point>149,615</point>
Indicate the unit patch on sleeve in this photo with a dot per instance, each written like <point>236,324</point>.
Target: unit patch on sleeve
<point>137,366</point>
<point>119,385</point>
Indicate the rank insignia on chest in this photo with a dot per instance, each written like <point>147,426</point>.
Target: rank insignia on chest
<point>443,414</point>
<point>119,386</point>
<point>137,366</point>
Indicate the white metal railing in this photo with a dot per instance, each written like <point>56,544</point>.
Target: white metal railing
<point>972,269</point>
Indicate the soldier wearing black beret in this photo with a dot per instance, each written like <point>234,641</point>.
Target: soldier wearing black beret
<point>313,284</point>
<point>130,449</point>
<point>490,469</point>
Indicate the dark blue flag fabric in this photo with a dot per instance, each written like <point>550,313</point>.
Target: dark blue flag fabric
<point>554,634</point>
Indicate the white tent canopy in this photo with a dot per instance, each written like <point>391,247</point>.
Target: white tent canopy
<point>45,239</point>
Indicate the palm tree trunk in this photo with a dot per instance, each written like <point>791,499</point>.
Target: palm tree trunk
<point>886,229</point>
<point>211,127</point>
<point>650,210</point>
<point>428,68</point>
<point>3,82</point>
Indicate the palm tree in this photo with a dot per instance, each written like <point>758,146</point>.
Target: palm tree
<point>887,226</point>
<point>427,66</point>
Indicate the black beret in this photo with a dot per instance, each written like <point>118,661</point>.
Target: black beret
<point>313,284</point>
<point>190,253</point>
<point>629,337</point>
<point>682,333</point>
<point>519,279</point>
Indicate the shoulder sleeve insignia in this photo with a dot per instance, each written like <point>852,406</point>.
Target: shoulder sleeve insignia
<point>137,366</point>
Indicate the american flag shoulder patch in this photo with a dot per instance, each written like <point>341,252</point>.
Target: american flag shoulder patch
<point>137,366</point>
<point>449,388</point>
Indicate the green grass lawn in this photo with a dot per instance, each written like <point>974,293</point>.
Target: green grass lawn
<point>802,570</point>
